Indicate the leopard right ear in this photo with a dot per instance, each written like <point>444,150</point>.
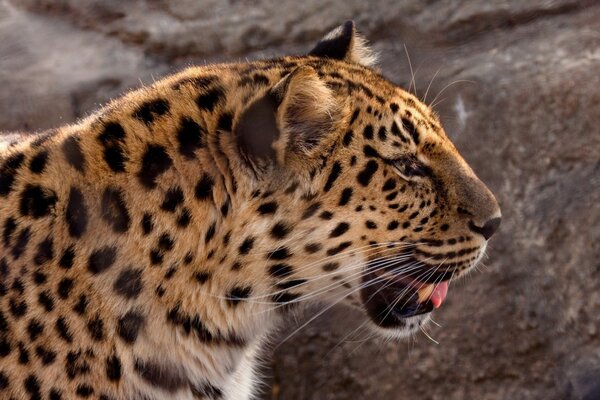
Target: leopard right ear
<point>344,43</point>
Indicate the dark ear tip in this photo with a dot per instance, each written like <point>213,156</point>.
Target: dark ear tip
<point>349,25</point>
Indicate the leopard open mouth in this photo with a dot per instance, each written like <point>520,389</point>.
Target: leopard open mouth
<point>390,298</point>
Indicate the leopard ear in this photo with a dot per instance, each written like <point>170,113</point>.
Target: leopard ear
<point>307,113</point>
<point>288,124</point>
<point>344,43</point>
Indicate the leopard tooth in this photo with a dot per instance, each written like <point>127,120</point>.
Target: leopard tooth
<point>425,292</point>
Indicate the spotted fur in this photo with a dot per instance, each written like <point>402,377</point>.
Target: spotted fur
<point>147,250</point>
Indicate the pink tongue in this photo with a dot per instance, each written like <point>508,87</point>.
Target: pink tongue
<point>439,294</point>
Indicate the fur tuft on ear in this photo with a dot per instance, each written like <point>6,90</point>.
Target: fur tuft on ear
<point>344,43</point>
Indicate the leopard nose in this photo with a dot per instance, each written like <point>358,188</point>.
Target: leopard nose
<point>487,229</point>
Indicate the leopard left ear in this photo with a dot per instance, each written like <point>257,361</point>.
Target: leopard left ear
<point>290,123</point>
<point>344,43</point>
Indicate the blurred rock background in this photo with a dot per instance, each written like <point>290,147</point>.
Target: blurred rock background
<point>517,86</point>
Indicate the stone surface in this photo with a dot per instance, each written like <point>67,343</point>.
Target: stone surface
<point>516,85</point>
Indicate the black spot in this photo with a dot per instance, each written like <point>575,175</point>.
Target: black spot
<point>45,252</point>
<point>152,109</point>
<point>76,364</point>
<point>184,218</point>
<point>10,225</point>
<point>173,198</point>
<point>204,187</point>
<point>444,227</point>
<point>155,162</point>
<point>46,300</point>
<point>339,230</point>
<point>114,211</point>
<point>224,123</point>
<point>165,242</point>
<point>96,328</point>
<point>102,259</point>
<point>208,100</point>
<point>129,283</point>
<point>38,162</point>
<point>326,215</point>
<point>348,137</point>
<point>156,257</point>
<point>408,125</point>
<point>341,247</point>
<point>3,323</point>
<point>129,325</point>
<point>34,328</point>
<point>345,196</point>
<point>76,214</point>
<point>32,386</point>
<point>84,390</point>
<point>279,254</point>
<point>112,139</point>
<point>370,225</point>
<point>46,356</point>
<point>207,391</point>
<point>190,137</point>
<point>18,286</point>
<point>39,278</point>
<point>364,177</point>
<point>71,149</point>
<point>3,381</point>
<point>354,115</point>
<point>17,308</point>
<point>66,260</point>
<point>8,172</point>
<point>382,133</point>
<point>147,223</point>
<point>55,394</point>
<point>393,225</point>
<point>5,347</point>
<point>202,277</point>
<point>280,270</point>
<point>113,368</point>
<point>163,376</point>
<point>312,248</point>
<point>394,107</point>
<point>329,267</point>
<point>21,243</point>
<point>210,232</point>
<point>280,230</point>
<point>64,288</point>
<point>390,184</point>
<point>36,201</point>
<point>63,330</point>
<point>267,208</point>
<point>246,245</point>
<point>225,208</point>
<point>368,132</point>
<point>336,170</point>
<point>396,132</point>
<point>238,294</point>
<point>23,354</point>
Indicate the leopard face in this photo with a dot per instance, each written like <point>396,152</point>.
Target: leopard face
<point>390,212</point>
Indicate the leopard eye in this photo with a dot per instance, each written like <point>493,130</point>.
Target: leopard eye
<point>410,167</point>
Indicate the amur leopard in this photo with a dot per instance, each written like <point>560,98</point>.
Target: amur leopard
<point>147,250</point>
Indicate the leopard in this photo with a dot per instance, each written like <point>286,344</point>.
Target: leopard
<point>150,249</point>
